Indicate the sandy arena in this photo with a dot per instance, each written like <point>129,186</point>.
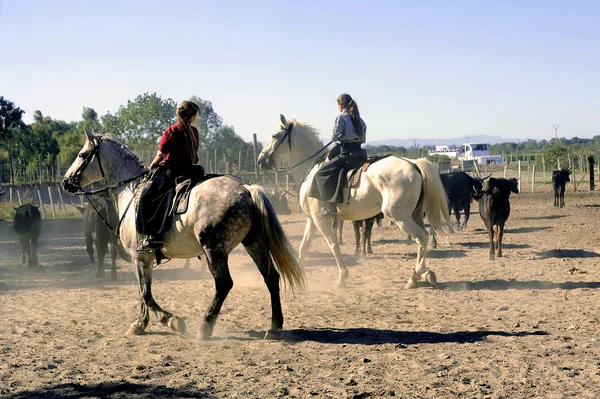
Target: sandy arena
<point>523,326</point>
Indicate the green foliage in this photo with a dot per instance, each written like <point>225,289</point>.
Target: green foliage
<point>142,121</point>
<point>11,125</point>
<point>553,152</point>
<point>208,121</point>
<point>439,158</point>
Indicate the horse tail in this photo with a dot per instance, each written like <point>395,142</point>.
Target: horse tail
<point>436,203</point>
<point>284,256</point>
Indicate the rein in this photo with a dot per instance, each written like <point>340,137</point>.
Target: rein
<point>95,153</point>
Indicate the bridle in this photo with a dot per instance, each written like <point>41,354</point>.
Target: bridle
<point>73,181</point>
<point>94,153</point>
<point>288,134</point>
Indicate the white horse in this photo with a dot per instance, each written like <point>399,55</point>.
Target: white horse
<point>222,212</point>
<point>400,188</point>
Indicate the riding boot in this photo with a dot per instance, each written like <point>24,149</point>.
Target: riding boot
<point>151,243</point>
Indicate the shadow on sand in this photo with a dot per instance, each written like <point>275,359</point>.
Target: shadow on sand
<point>499,285</point>
<point>566,253</point>
<point>373,336</point>
<point>520,230</point>
<point>486,244</point>
<point>108,390</point>
<point>548,217</point>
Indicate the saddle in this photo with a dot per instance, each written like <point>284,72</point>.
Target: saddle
<point>357,167</point>
<point>183,189</point>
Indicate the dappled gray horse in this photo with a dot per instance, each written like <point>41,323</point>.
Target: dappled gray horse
<point>222,212</point>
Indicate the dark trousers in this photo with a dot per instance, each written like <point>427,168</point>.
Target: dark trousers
<point>330,180</point>
<point>157,198</point>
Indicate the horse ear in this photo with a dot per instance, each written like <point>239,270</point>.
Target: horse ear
<point>90,135</point>
<point>282,119</point>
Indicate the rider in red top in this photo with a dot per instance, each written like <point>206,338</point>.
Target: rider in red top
<point>172,147</point>
<point>177,156</point>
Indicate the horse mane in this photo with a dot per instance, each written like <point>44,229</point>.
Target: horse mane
<point>126,152</point>
<point>305,127</point>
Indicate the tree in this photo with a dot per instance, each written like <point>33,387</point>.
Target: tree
<point>208,121</point>
<point>90,118</point>
<point>555,151</point>
<point>141,121</point>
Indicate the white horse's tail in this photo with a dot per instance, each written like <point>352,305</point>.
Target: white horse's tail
<point>285,258</point>
<point>436,203</point>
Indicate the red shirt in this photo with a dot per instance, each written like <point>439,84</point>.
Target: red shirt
<point>173,145</point>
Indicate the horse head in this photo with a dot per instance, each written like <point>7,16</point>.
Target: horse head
<point>278,147</point>
<point>86,168</point>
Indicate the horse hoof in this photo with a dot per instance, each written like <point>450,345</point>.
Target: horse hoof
<point>430,277</point>
<point>411,284</point>
<point>177,324</point>
<point>205,332</point>
<point>135,329</point>
<point>273,334</point>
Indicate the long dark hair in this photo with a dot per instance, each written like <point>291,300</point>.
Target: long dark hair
<point>347,103</point>
<point>184,112</point>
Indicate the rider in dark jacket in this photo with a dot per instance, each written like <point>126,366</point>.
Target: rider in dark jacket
<point>350,132</point>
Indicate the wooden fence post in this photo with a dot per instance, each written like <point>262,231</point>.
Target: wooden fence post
<point>505,170</point>
<point>519,165</point>
<point>51,202</point>
<point>544,169</point>
<point>19,197</point>
<point>10,195</point>
<point>255,147</point>
<point>60,198</point>
<point>532,178</point>
<point>41,204</point>
<point>287,182</point>
<point>591,168</point>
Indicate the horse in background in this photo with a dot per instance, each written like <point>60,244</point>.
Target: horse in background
<point>98,233</point>
<point>403,190</point>
<point>28,224</point>
<point>362,234</point>
<point>222,213</point>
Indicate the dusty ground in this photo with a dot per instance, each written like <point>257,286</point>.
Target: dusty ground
<point>525,326</point>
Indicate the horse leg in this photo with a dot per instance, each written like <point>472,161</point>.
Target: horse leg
<point>143,265</point>
<point>260,254</point>
<point>309,234</point>
<point>339,228</point>
<point>89,246</point>
<point>217,264</point>
<point>415,227</point>
<point>356,225</point>
<point>499,234</point>
<point>113,257</point>
<point>562,197</point>
<point>326,229</point>
<point>368,229</point>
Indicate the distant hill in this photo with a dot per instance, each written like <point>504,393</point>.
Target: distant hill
<point>483,139</point>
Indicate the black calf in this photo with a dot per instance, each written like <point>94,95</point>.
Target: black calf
<point>494,208</point>
<point>28,224</point>
<point>559,181</point>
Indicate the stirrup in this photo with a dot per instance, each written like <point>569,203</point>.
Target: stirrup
<point>149,245</point>
<point>330,209</point>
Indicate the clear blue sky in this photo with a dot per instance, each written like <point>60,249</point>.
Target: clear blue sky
<point>424,69</point>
